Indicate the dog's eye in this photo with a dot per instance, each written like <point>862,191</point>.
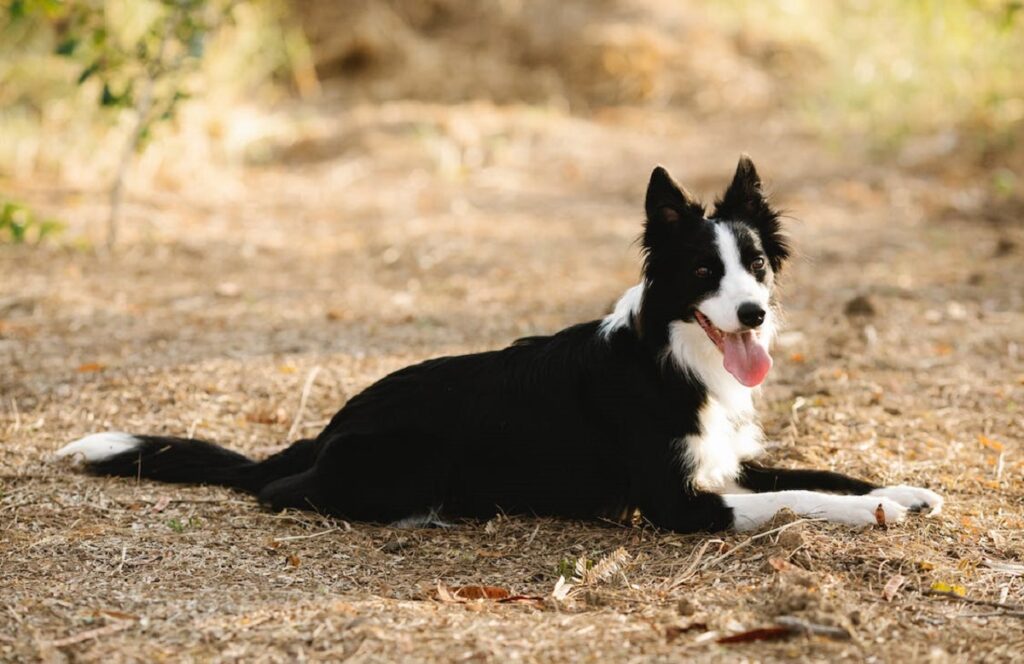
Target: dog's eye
<point>702,272</point>
<point>758,264</point>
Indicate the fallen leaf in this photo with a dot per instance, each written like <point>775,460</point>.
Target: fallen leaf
<point>562,589</point>
<point>90,367</point>
<point>467,593</point>
<point>760,634</point>
<point>943,587</point>
<point>781,564</point>
<point>989,443</point>
<point>161,503</point>
<point>293,560</point>
<point>892,587</point>
<point>481,592</point>
<point>484,553</point>
<point>880,515</point>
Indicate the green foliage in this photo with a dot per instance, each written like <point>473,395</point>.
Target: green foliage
<point>139,51</point>
<point>179,526</point>
<point>19,225</point>
<point>892,70</point>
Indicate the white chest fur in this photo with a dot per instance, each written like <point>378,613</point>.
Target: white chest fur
<point>726,439</point>
<point>729,432</point>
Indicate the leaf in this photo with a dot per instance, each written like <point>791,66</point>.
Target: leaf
<point>781,564</point>
<point>943,587</point>
<point>468,593</point>
<point>892,587</point>
<point>562,589</point>
<point>482,592</point>
<point>760,634</point>
<point>90,367</point>
<point>66,47</point>
<point>293,560</point>
<point>88,72</point>
<point>994,445</point>
<point>880,515</point>
<point>603,569</point>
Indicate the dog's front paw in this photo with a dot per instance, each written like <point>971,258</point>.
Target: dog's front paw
<point>913,498</point>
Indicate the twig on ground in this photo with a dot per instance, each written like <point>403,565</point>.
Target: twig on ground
<point>1015,610</point>
<point>306,389</point>
<point>682,577</point>
<point>87,635</point>
<point>302,537</point>
<point>750,540</point>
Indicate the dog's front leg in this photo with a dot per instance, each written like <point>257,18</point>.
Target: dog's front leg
<point>762,479</point>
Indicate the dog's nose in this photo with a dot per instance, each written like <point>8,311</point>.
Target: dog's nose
<point>750,314</point>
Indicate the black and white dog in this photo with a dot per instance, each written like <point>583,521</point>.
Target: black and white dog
<point>649,409</point>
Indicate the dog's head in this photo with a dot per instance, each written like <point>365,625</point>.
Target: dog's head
<point>716,272</point>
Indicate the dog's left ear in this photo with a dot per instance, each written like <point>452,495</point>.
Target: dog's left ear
<point>744,200</point>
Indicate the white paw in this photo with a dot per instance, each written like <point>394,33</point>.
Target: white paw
<point>864,511</point>
<point>913,498</point>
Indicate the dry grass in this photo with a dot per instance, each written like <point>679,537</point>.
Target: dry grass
<point>401,231</point>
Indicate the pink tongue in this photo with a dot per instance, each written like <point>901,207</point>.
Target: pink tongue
<point>745,358</point>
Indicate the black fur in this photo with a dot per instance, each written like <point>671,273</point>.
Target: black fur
<point>577,424</point>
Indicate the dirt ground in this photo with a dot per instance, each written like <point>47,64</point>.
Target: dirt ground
<point>400,231</point>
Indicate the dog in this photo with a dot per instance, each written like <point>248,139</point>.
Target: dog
<point>649,409</point>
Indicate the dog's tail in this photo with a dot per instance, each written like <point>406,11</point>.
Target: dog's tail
<point>185,460</point>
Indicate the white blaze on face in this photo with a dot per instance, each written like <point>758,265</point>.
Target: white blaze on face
<point>737,286</point>
<point>744,351</point>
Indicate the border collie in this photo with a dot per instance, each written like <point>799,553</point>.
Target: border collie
<point>649,409</point>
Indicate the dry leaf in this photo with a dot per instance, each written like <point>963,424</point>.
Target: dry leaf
<point>467,593</point>
<point>880,515</point>
<point>943,587</point>
<point>781,564</point>
<point>293,560</point>
<point>90,367</point>
<point>989,443</point>
<point>481,592</point>
<point>892,587</point>
<point>161,503</point>
<point>562,589</point>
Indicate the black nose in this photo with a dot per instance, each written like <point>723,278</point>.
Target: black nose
<point>750,314</point>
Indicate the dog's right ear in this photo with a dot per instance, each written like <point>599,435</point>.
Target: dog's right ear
<point>669,208</point>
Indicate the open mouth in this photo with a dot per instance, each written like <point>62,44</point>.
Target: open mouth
<point>744,354</point>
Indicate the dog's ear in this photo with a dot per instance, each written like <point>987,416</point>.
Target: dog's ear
<point>744,200</point>
<point>669,208</point>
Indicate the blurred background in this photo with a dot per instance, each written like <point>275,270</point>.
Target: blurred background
<point>189,180</point>
<point>173,96</point>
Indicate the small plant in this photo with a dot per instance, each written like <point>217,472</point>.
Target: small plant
<point>179,526</point>
<point>18,225</point>
<point>140,53</point>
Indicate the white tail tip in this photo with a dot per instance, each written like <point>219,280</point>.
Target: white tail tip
<point>98,447</point>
